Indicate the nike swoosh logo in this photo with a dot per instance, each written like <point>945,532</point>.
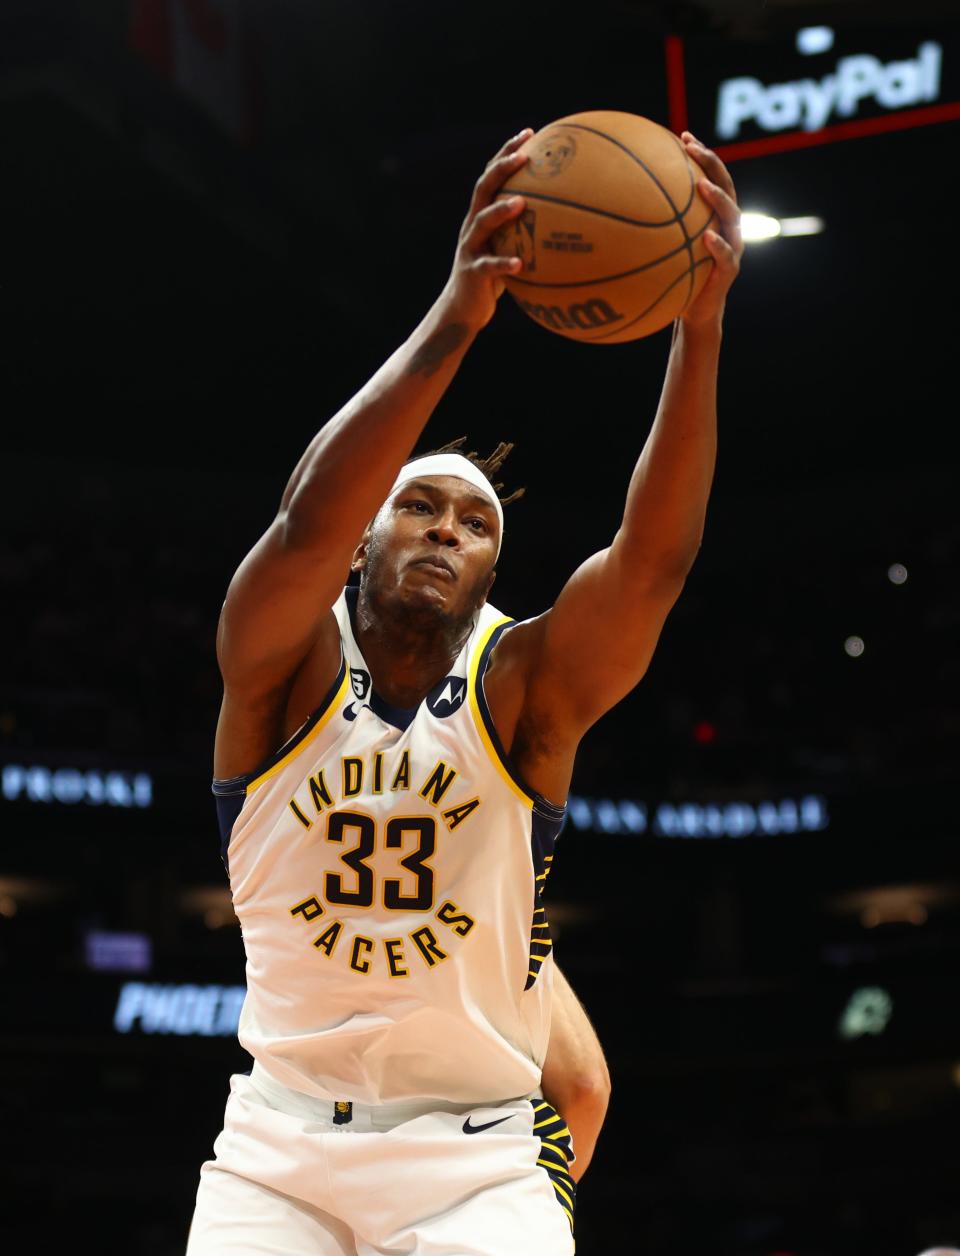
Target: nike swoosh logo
<point>475,1129</point>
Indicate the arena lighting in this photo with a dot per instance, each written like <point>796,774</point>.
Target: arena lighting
<point>910,903</point>
<point>26,891</point>
<point>756,226</point>
<point>911,914</point>
<point>808,225</point>
<point>867,1012</point>
<point>110,952</point>
<point>814,39</point>
<point>699,820</point>
<point>212,903</point>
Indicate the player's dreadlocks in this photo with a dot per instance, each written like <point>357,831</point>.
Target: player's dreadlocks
<point>489,466</point>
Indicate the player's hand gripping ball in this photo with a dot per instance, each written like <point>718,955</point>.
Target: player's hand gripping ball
<point>619,233</point>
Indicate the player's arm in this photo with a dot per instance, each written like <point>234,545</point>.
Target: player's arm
<point>596,642</point>
<point>575,1079</point>
<point>291,578</point>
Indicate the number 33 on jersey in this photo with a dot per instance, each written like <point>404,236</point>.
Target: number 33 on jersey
<point>387,867</point>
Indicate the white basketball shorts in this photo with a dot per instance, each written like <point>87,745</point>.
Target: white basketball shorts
<point>294,1175</point>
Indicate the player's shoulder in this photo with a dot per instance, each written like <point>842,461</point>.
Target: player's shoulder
<point>517,643</point>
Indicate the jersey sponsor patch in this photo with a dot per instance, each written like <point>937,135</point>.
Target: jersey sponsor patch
<point>360,684</point>
<point>447,697</point>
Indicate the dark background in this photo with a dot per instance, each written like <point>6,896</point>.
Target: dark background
<point>207,250</point>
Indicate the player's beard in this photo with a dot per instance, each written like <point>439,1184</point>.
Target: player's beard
<point>412,617</point>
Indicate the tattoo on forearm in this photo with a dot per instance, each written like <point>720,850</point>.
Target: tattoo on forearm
<point>440,345</point>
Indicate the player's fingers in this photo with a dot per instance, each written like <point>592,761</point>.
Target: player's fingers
<point>709,163</point>
<point>488,264</point>
<point>723,253</point>
<point>488,220</point>
<point>512,144</point>
<point>495,175</point>
<point>726,209</point>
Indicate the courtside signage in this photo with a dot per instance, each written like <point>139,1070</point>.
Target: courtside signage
<point>750,99</point>
<point>810,103</point>
<point>182,1009</point>
<point>70,787</point>
<point>768,818</point>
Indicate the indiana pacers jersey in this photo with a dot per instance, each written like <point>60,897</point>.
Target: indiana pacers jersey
<point>387,867</point>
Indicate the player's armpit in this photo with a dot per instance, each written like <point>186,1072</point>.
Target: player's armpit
<point>575,1078</point>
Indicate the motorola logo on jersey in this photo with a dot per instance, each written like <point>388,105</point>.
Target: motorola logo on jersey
<point>360,684</point>
<point>447,697</point>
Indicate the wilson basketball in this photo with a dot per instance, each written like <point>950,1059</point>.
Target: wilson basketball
<point>611,236</point>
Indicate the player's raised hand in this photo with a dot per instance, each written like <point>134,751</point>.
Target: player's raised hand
<point>725,244</point>
<point>476,280</point>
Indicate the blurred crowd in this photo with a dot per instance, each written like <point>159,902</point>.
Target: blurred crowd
<point>110,652</point>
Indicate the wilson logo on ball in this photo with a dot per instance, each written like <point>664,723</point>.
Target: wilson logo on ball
<point>618,228</point>
<point>582,316</point>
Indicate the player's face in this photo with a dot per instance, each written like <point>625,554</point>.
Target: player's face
<point>432,547</point>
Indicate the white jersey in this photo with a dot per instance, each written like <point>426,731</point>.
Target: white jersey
<point>387,867</point>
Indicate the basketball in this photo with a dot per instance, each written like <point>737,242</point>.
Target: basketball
<point>611,235</point>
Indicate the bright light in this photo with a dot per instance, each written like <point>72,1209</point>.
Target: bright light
<point>897,574</point>
<point>216,918</point>
<point>854,646</point>
<point>867,1012</point>
<point>809,225</point>
<point>755,227</point>
<point>813,39</point>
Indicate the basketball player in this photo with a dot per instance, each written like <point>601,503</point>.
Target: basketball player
<point>391,767</point>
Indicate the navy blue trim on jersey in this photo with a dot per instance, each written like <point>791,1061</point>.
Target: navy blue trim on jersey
<point>229,786</point>
<point>229,805</point>
<point>399,717</point>
<point>556,1152</point>
<point>230,793</point>
<point>544,832</point>
<point>548,809</point>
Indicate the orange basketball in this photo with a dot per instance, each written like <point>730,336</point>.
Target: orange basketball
<point>611,236</point>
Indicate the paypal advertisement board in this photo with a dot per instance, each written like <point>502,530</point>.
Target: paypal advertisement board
<point>814,85</point>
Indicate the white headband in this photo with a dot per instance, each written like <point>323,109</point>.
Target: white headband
<point>462,468</point>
